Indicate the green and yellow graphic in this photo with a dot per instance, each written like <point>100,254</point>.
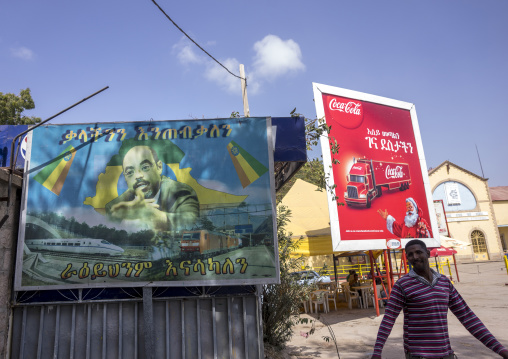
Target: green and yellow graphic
<point>247,167</point>
<point>53,175</point>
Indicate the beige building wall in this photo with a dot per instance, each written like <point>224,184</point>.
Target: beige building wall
<point>462,230</point>
<point>501,211</point>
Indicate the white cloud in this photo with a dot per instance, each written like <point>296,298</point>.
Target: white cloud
<point>224,79</point>
<point>22,53</point>
<point>186,53</point>
<point>273,58</point>
<point>276,57</point>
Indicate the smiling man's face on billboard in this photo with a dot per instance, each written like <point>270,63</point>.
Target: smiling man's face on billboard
<point>142,170</point>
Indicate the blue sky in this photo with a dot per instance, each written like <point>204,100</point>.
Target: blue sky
<point>449,58</point>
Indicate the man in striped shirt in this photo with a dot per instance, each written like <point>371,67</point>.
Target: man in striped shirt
<point>425,296</point>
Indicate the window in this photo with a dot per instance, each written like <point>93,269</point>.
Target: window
<point>355,178</point>
<point>466,196</point>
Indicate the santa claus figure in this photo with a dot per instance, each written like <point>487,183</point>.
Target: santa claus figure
<point>414,226</point>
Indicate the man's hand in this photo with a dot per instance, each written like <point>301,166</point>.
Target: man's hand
<point>134,209</point>
<point>383,214</point>
<point>504,354</point>
<point>141,209</point>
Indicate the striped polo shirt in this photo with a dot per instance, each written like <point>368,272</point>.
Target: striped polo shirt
<point>425,307</point>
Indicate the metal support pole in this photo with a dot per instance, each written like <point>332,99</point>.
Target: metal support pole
<point>387,270</point>
<point>371,256</point>
<point>259,295</point>
<point>246,111</point>
<point>449,267</point>
<point>148,321</point>
<point>456,271</point>
<point>404,261</point>
<point>335,269</point>
<point>390,267</point>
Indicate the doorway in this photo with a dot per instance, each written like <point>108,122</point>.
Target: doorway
<point>479,246</point>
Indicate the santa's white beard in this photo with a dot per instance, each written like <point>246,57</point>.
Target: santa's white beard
<point>411,219</point>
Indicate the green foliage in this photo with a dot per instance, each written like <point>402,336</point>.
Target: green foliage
<point>281,302</point>
<point>206,223</point>
<point>12,107</point>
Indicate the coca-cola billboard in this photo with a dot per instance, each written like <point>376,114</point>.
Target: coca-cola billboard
<point>380,166</point>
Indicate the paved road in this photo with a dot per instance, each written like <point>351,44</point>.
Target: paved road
<point>483,287</point>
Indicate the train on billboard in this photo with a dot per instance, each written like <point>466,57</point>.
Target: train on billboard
<point>378,183</point>
<point>157,203</point>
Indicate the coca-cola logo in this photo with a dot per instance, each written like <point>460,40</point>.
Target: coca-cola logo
<point>358,168</point>
<point>393,244</point>
<point>345,112</point>
<point>349,107</point>
<point>395,172</point>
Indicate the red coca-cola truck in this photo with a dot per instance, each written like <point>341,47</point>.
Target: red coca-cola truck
<point>367,178</point>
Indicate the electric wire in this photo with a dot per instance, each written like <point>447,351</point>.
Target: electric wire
<point>195,43</point>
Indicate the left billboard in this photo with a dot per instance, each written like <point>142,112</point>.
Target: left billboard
<point>158,203</point>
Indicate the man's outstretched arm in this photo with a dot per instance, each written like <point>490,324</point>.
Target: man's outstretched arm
<point>392,311</point>
<point>473,324</point>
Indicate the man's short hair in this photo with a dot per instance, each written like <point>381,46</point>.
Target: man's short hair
<point>416,241</point>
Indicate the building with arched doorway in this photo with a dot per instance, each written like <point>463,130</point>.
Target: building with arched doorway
<point>469,211</point>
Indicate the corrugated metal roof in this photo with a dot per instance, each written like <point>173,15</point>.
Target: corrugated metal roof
<point>499,193</point>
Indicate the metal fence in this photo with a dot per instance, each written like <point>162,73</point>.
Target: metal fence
<point>188,327</point>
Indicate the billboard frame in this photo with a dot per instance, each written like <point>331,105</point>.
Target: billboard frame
<point>131,284</point>
<point>339,245</point>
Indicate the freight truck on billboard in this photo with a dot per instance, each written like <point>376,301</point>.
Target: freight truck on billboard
<point>367,178</point>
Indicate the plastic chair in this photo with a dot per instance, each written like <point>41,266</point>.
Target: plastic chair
<point>331,296</point>
<point>319,298</point>
<point>351,296</point>
<point>305,303</point>
<point>342,291</point>
<point>371,296</point>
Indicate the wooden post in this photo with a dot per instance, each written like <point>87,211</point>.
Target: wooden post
<point>246,111</point>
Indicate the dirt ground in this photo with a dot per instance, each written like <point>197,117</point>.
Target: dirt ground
<point>484,286</point>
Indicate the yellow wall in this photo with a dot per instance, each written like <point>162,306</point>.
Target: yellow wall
<point>501,211</point>
<point>462,230</point>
